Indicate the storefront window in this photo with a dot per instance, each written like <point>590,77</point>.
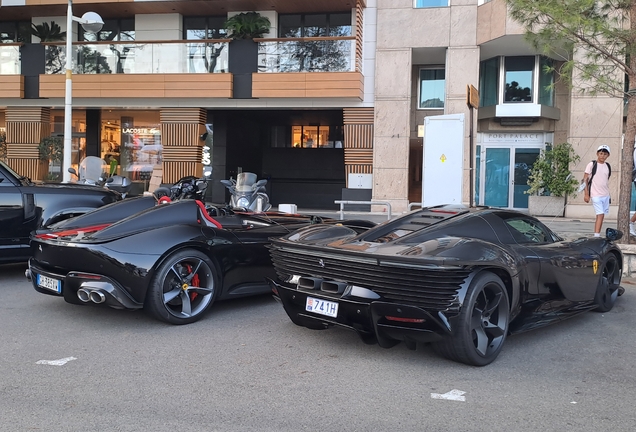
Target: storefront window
<point>312,137</point>
<point>78,140</point>
<point>133,139</point>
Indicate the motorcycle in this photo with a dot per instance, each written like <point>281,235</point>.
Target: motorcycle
<point>92,171</point>
<point>247,193</point>
<point>189,187</point>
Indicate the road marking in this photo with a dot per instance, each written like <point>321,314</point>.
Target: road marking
<point>60,362</point>
<point>456,395</point>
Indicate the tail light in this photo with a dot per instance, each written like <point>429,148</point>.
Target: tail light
<point>405,320</point>
<point>71,232</point>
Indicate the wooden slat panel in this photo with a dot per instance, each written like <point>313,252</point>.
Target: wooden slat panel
<point>17,151</point>
<point>358,156</point>
<point>182,153</point>
<point>139,85</point>
<point>358,115</point>
<point>183,115</point>
<point>359,26</point>
<point>173,171</point>
<point>12,86</point>
<point>308,84</point>
<point>359,169</point>
<point>358,136</point>
<point>28,114</point>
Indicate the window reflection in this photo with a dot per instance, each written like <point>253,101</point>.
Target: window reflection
<point>518,77</point>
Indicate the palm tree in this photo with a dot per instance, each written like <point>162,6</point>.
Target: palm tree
<point>48,33</point>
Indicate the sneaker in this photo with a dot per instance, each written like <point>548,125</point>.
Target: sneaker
<point>632,228</point>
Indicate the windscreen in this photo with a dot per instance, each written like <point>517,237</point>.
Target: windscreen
<point>245,181</point>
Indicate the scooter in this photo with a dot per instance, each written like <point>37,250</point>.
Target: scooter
<point>247,193</point>
<point>92,170</point>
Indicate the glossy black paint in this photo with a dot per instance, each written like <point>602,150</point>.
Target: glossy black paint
<point>26,206</point>
<point>420,266</point>
<point>126,254</point>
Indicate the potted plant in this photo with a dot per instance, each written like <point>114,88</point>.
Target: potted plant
<point>247,25</point>
<point>243,49</point>
<point>51,151</point>
<point>551,180</point>
<point>3,145</point>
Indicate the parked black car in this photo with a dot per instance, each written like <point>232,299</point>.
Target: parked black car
<point>26,206</point>
<point>174,260</point>
<point>462,279</point>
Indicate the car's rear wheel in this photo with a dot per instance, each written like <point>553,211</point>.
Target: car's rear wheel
<point>183,288</point>
<point>482,325</point>
<point>608,284</point>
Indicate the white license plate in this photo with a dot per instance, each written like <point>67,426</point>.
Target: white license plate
<point>322,307</point>
<point>49,283</point>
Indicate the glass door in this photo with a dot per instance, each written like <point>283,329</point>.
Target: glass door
<point>496,177</point>
<point>495,185</point>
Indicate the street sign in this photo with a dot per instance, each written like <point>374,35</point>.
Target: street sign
<point>472,96</point>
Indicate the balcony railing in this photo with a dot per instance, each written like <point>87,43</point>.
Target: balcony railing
<point>10,59</point>
<point>307,55</point>
<point>325,54</point>
<point>201,56</point>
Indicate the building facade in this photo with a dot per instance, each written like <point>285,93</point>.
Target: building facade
<point>332,103</point>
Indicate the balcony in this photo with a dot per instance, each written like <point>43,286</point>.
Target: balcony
<point>327,67</point>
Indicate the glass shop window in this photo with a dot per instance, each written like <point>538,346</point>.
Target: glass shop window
<point>312,137</point>
<point>432,88</point>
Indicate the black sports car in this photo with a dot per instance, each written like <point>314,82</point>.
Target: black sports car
<point>172,259</point>
<point>26,206</point>
<point>460,278</point>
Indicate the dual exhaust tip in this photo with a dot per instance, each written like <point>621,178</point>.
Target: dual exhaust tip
<point>87,295</point>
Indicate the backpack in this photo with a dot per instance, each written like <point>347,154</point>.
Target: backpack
<point>609,169</point>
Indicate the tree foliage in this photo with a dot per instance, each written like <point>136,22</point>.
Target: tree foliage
<point>595,43</point>
<point>551,175</point>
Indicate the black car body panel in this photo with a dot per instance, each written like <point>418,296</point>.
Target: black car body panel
<point>407,279</point>
<point>124,256</point>
<point>26,206</point>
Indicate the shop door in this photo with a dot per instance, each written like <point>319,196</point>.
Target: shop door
<point>503,175</point>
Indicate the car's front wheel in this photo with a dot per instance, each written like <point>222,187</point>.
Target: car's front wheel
<point>482,325</point>
<point>183,288</point>
<point>608,284</point>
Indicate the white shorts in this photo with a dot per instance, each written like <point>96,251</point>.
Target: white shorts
<point>601,204</point>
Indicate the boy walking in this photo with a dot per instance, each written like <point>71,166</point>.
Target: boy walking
<point>596,178</point>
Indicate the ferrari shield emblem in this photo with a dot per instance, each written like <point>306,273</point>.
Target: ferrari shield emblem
<point>595,266</point>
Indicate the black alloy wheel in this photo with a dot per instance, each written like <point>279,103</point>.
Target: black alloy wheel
<point>608,284</point>
<point>183,288</point>
<point>482,325</point>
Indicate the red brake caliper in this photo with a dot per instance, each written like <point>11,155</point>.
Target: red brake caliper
<point>195,282</point>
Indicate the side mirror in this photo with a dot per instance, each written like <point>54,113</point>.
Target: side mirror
<point>72,171</point>
<point>260,183</point>
<point>612,234</point>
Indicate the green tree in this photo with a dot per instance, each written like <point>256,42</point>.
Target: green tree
<point>603,38</point>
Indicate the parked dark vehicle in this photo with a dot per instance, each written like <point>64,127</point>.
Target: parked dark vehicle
<point>462,279</point>
<point>173,259</point>
<point>26,206</point>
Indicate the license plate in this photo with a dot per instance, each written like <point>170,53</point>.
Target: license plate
<point>322,307</point>
<point>49,283</point>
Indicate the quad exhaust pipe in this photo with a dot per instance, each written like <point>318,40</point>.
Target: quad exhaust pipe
<point>86,295</point>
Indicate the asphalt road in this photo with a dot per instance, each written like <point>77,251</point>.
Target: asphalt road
<point>246,367</point>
